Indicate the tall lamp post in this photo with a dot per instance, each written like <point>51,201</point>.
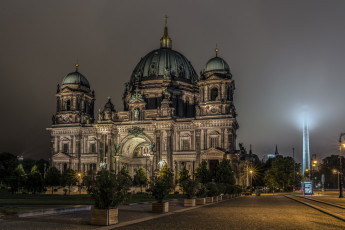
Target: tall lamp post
<point>20,159</point>
<point>79,180</point>
<point>340,169</point>
<point>294,169</point>
<point>251,178</point>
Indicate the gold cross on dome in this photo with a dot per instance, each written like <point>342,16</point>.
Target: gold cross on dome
<point>166,20</point>
<point>217,50</point>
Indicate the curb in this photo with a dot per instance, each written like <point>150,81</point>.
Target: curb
<point>54,211</point>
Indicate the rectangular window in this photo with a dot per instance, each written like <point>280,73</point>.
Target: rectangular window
<point>65,148</point>
<point>214,142</point>
<point>93,148</point>
<point>185,145</point>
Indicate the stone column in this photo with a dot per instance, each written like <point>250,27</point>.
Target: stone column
<point>99,142</point>
<point>77,151</point>
<point>178,146</point>
<point>230,141</point>
<point>206,93</point>
<point>158,148</point>
<point>198,145</point>
<point>205,139</point>
<point>169,149</point>
<point>58,147</point>
<point>192,147</point>
<point>222,142</point>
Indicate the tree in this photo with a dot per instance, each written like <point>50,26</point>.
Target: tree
<point>163,184</point>
<point>40,165</point>
<point>166,174</point>
<point>89,179</point>
<point>28,163</point>
<point>224,173</point>
<point>189,187</point>
<point>69,178</point>
<point>53,177</point>
<point>110,190</point>
<point>140,178</point>
<point>8,164</point>
<point>183,175</point>
<point>202,173</point>
<point>280,174</point>
<point>19,179</point>
<point>330,168</point>
<point>35,181</point>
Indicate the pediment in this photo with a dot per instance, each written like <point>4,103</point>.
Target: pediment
<point>61,155</point>
<point>213,152</point>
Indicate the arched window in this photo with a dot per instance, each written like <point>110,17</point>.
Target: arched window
<point>68,105</point>
<point>214,94</point>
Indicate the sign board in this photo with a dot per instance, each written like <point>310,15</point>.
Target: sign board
<point>307,187</point>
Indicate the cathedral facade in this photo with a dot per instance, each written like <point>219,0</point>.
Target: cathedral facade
<point>171,115</point>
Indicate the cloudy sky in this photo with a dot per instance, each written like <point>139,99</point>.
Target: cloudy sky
<point>284,56</point>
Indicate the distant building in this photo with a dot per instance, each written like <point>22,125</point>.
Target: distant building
<point>270,155</point>
<point>245,162</point>
<point>171,115</point>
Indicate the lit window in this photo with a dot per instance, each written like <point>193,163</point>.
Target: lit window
<point>214,142</point>
<point>185,145</point>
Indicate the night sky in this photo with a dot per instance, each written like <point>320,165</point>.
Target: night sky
<point>284,55</point>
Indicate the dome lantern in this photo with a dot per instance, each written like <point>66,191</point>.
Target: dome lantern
<point>166,40</point>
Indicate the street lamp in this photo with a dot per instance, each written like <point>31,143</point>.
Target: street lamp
<point>340,168</point>
<point>313,167</point>
<point>79,178</point>
<point>336,172</point>
<point>251,178</point>
<point>307,171</point>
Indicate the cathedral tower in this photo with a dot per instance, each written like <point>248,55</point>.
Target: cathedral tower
<point>74,100</point>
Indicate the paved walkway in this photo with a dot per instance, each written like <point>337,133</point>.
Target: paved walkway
<point>80,220</point>
<point>250,212</point>
<point>264,212</point>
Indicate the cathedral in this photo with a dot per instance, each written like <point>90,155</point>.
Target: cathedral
<point>171,115</point>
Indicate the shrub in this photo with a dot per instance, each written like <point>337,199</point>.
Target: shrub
<point>212,189</point>
<point>53,177</point>
<point>140,178</point>
<point>224,173</point>
<point>221,188</point>
<point>201,193</point>
<point>230,189</point>
<point>160,189</point>
<point>163,184</point>
<point>202,173</point>
<point>110,190</point>
<point>189,187</point>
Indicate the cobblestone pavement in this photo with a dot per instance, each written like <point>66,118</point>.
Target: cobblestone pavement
<point>80,220</point>
<point>264,212</point>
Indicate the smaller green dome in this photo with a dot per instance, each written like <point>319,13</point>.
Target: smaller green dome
<point>76,78</point>
<point>216,64</point>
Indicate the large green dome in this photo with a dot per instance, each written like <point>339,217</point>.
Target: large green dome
<point>76,78</point>
<point>164,63</point>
